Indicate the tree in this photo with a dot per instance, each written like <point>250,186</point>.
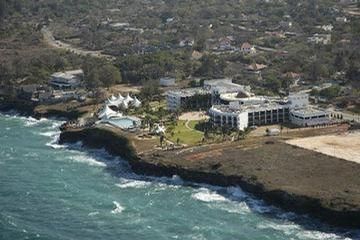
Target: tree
<point>110,75</point>
<point>149,90</point>
<point>92,79</point>
<point>330,92</point>
<point>161,140</point>
<point>339,62</point>
<point>2,8</point>
<point>273,83</point>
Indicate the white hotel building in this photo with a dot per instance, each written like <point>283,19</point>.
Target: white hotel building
<point>234,106</point>
<point>188,98</point>
<point>242,112</point>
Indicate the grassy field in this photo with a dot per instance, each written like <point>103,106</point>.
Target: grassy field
<point>185,135</point>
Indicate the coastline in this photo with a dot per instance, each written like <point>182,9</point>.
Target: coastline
<point>39,111</point>
<point>277,181</point>
<point>207,168</point>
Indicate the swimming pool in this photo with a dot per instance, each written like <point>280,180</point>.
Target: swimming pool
<point>124,123</point>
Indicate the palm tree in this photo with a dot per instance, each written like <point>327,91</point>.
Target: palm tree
<point>161,140</point>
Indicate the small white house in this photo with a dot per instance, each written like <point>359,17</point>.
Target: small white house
<point>68,79</point>
<point>342,19</point>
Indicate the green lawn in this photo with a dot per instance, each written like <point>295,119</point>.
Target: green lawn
<point>155,105</point>
<point>186,136</point>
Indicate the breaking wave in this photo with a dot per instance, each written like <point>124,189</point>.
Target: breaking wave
<point>30,121</point>
<point>118,208</point>
<point>129,183</point>
<point>88,160</point>
<point>206,195</point>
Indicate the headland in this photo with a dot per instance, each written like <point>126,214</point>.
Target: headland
<point>292,178</point>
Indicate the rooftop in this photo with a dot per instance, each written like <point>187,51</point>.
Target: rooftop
<point>68,74</point>
<point>248,108</point>
<point>188,92</point>
<point>309,111</point>
<point>224,85</point>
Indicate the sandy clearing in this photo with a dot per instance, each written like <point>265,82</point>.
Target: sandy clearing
<point>346,146</point>
<point>193,116</point>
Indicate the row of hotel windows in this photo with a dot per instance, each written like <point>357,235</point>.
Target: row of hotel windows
<point>307,118</point>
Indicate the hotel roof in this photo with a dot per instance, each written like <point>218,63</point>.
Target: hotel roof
<point>188,92</point>
<point>67,74</point>
<point>310,111</point>
<point>249,108</point>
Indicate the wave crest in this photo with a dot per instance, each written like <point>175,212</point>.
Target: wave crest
<point>118,208</point>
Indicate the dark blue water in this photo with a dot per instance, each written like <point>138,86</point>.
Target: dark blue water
<point>48,191</point>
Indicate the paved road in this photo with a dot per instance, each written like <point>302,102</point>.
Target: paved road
<point>49,39</point>
<point>346,115</point>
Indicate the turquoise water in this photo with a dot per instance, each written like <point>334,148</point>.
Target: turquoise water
<point>48,191</point>
<point>124,123</point>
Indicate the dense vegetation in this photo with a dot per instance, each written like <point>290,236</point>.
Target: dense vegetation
<point>150,49</point>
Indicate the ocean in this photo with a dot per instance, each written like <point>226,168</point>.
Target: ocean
<point>52,191</point>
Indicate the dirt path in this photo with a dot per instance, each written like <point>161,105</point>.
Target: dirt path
<point>187,125</point>
<point>50,40</point>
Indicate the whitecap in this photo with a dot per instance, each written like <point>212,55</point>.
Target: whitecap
<point>129,183</point>
<point>118,208</point>
<point>93,214</point>
<point>88,160</point>
<point>54,139</point>
<point>286,228</point>
<point>319,235</point>
<point>234,207</point>
<point>205,195</point>
<point>30,121</point>
<point>31,154</point>
<point>50,133</point>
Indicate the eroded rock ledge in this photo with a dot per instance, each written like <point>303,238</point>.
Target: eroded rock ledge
<point>292,178</point>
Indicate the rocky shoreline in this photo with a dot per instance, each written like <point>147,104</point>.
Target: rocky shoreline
<point>31,109</point>
<point>332,198</point>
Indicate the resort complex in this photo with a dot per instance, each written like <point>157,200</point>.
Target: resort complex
<point>117,118</point>
<point>164,119</point>
<point>234,106</point>
<point>202,97</point>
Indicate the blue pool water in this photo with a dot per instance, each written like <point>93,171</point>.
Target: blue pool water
<point>124,123</point>
<point>51,191</point>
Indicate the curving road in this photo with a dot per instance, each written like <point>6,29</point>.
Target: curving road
<point>51,41</point>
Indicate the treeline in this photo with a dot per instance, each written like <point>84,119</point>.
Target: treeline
<point>37,68</point>
<point>50,7</point>
<point>137,69</point>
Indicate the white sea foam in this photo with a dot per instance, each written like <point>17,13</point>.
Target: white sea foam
<point>319,235</point>
<point>50,133</point>
<point>31,154</point>
<point>54,142</point>
<point>286,228</point>
<point>93,214</point>
<point>30,121</point>
<point>129,183</point>
<point>205,195</point>
<point>293,229</point>
<point>234,207</point>
<point>118,208</point>
<point>88,160</point>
